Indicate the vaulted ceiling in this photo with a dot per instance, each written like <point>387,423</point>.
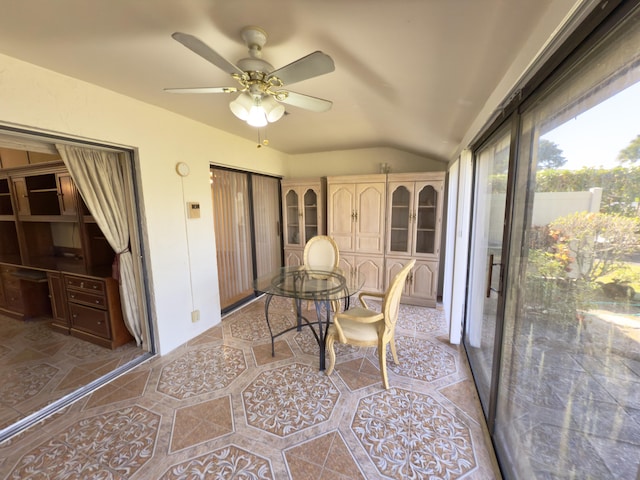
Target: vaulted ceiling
<point>409,74</point>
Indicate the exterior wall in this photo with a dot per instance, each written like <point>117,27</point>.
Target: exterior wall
<point>548,206</point>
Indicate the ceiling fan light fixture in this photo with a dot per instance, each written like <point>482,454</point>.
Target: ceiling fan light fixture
<point>272,108</point>
<point>241,106</point>
<point>257,115</point>
<point>255,110</point>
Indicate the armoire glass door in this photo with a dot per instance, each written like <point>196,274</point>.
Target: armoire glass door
<point>310,216</point>
<point>426,220</point>
<point>400,217</point>
<point>293,218</point>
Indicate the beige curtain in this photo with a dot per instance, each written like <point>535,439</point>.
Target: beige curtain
<point>99,178</point>
<point>266,221</point>
<point>231,221</point>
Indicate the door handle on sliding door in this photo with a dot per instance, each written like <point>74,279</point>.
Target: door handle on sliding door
<point>489,275</point>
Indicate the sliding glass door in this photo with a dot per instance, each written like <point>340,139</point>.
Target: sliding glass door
<point>246,214</point>
<point>485,261</point>
<point>552,327</point>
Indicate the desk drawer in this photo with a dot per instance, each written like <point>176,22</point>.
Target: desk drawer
<point>81,283</point>
<point>90,320</point>
<point>11,281</point>
<point>13,298</point>
<point>85,298</point>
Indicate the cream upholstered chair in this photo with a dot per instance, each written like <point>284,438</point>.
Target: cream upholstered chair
<point>364,327</point>
<point>321,252</point>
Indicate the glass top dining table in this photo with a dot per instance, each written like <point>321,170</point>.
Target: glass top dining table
<point>327,288</point>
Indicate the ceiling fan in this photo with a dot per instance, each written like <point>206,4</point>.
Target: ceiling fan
<point>262,89</point>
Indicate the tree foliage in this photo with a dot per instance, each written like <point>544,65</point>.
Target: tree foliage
<point>631,153</point>
<point>549,155</point>
<point>593,244</point>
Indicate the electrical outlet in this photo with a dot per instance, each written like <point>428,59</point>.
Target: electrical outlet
<point>195,316</point>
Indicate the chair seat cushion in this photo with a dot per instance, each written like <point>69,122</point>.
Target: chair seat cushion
<point>359,331</point>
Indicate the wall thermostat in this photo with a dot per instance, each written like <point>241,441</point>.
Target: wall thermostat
<point>193,209</point>
<point>182,169</point>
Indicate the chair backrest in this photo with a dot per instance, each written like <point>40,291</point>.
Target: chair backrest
<point>391,301</point>
<point>321,252</point>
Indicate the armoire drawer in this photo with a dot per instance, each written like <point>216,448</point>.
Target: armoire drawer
<point>86,284</point>
<point>91,299</point>
<point>90,320</point>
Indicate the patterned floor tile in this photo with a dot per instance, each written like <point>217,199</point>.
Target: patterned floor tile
<point>26,355</point>
<point>212,335</point>
<point>309,345</point>
<point>463,395</point>
<point>85,373</point>
<point>421,359</point>
<point>113,445</point>
<point>25,382</point>
<point>227,462</point>
<point>128,386</point>
<point>202,370</point>
<point>262,353</point>
<point>201,422</point>
<point>288,399</point>
<point>410,435</point>
<point>326,456</point>
<point>221,407</point>
<point>359,373</point>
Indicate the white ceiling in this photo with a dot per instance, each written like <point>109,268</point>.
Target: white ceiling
<point>410,74</point>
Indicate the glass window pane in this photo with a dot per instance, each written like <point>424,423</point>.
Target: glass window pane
<point>485,256</point>
<point>569,395</point>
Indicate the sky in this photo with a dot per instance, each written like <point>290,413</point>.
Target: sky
<point>595,137</point>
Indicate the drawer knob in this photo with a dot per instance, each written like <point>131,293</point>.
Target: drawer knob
<point>72,296</point>
<point>100,323</point>
<point>98,302</point>
<point>95,286</point>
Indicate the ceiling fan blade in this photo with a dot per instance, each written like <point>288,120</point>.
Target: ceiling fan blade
<point>197,46</point>
<point>307,102</point>
<point>314,64</point>
<point>202,90</point>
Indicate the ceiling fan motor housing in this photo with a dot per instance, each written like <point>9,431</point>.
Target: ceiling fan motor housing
<point>254,38</point>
